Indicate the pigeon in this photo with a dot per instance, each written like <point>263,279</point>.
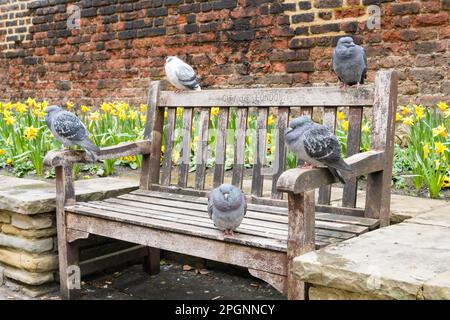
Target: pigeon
<point>316,145</point>
<point>349,62</point>
<point>69,130</point>
<point>227,207</point>
<point>180,74</point>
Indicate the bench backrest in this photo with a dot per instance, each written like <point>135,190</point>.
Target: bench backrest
<point>167,124</point>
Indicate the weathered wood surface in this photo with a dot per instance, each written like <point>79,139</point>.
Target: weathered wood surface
<point>353,147</point>
<point>279,160</point>
<point>213,249</point>
<point>202,149</point>
<point>169,138</point>
<point>301,238</point>
<point>270,97</point>
<point>62,157</point>
<point>275,280</point>
<point>378,191</point>
<point>221,147</point>
<point>152,132</point>
<point>260,152</point>
<point>299,180</point>
<point>329,120</point>
<point>239,147</point>
<point>185,148</point>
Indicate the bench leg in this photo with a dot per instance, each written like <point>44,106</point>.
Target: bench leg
<point>152,261</point>
<point>69,272</point>
<point>296,289</point>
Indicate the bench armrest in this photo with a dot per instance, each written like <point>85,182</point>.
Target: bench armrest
<point>63,157</point>
<point>300,180</point>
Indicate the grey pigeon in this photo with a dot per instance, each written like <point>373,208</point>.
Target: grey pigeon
<point>227,207</point>
<point>180,74</point>
<point>69,130</point>
<point>349,62</point>
<point>316,145</point>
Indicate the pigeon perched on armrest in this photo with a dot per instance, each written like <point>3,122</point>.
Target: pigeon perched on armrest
<point>227,207</point>
<point>69,130</point>
<point>316,145</point>
<point>180,74</point>
<point>349,62</point>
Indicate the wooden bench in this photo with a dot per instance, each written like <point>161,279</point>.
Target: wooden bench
<point>170,214</point>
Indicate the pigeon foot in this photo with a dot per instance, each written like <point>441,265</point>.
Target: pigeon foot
<point>178,90</point>
<point>228,233</point>
<point>343,86</point>
<point>307,166</point>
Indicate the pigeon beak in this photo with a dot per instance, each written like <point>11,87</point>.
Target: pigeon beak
<point>289,129</point>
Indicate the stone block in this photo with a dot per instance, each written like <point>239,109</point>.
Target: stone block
<point>5,217</point>
<point>31,222</point>
<point>31,278</point>
<point>41,233</point>
<point>28,261</point>
<point>29,245</point>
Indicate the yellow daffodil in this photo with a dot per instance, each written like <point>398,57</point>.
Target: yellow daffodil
<point>365,128</point>
<point>340,115</point>
<point>30,102</point>
<point>426,150</point>
<point>21,107</point>
<point>439,147</point>
<point>419,111</point>
<point>143,107</point>
<point>105,107</point>
<point>129,159</point>
<point>2,152</point>
<point>162,149</point>
<point>446,182</point>
<point>408,121</point>
<point>121,114</point>
<point>10,120</point>
<point>398,117</point>
<point>165,114</point>
<point>270,150</point>
<point>30,133</point>
<point>69,105</point>
<point>345,125</point>
<point>9,161</point>
<point>94,116</point>
<point>214,112</point>
<point>270,120</point>
<point>44,104</point>
<point>179,112</point>
<point>269,138</point>
<point>440,131</point>
<point>176,157</point>
<point>132,115</point>
<point>442,105</point>
<point>143,117</point>
<point>405,110</point>
<point>84,108</point>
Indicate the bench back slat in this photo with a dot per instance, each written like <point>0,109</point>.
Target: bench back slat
<point>239,147</point>
<point>279,160</point>
<point>202,149</point>
<point>329,120</point>
<point>247,110</point>
<point>259,156</point>
<point>221,147</point>
<point>168,147</point>
<point>353,147</point>
<point>185,152</point>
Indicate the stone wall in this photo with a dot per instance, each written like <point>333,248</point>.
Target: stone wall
<point>121,44</point>
<point>28,242</point>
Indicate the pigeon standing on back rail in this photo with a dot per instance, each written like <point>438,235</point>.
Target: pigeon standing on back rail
<point>349,62</point>
<point>69,130</point>
<point>227,207</point>
<point>180,74</point>
<point>316,145</point>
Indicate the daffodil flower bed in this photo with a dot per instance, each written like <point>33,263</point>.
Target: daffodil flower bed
<point>25,139</point>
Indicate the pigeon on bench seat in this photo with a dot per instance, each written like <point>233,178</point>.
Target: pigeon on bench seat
<point>227,207</point>
<point>180,74</point>
<point>349,62</point>
<point>316,145</point>
<point>69,130</point>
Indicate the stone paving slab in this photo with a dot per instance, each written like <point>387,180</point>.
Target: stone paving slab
<point>28,196</point>
<point>402,261</point>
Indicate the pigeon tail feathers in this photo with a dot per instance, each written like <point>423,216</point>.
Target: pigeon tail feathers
<point>337,174</point>
<point>90,148</point>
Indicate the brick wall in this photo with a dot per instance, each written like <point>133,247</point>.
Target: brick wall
<point>121,44</point>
